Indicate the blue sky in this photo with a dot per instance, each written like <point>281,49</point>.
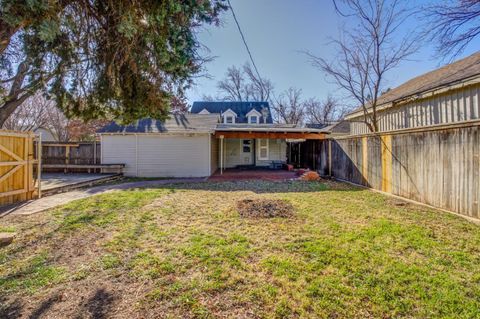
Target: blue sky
<point>278,32</point>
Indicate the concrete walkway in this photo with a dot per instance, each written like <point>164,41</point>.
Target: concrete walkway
<point>39,205</point>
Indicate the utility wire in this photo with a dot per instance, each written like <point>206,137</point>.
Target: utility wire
<point>246,45</point>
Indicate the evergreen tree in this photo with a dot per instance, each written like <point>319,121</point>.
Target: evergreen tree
<point>123,58</point>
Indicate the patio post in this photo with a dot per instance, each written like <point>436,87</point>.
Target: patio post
<point>221,154</point>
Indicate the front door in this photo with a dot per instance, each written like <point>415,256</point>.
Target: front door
<point>246,151</point>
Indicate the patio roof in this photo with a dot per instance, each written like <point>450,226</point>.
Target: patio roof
<point>270,131</point>
<point>269,128</point>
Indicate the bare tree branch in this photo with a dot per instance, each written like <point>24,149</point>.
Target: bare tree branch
<point>366,53</point>
<point>233,86</point>
<point>323,112</point>
<point>453,25</point>
<point>288,107</point>
<point>242,84</point>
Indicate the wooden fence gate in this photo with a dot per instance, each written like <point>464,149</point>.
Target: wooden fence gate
<point>19,173</point>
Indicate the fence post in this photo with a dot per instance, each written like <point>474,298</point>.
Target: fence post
<point>386,148</point>
<point>39,165</point>
<point>330,157</point>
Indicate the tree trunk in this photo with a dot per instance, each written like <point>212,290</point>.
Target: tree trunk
<point>15,96</point>
<point>6,33</point>
<point>9,107</point>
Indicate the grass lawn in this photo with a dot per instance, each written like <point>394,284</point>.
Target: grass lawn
<point>183,251</point>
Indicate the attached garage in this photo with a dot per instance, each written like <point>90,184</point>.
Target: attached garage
<point>179,147</point>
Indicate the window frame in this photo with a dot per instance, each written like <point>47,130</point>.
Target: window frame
<point>243,145</point>
<point>260,147</point>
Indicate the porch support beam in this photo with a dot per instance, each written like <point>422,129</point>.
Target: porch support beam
<point>271,135</point>
<point>221,154</point>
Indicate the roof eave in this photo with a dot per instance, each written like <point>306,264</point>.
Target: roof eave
<point>420,95</point>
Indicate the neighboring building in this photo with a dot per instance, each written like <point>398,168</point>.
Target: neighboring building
<point>214,135</point>
<point>447,95</point>
<point>46,134</point>
<point>337,128</point>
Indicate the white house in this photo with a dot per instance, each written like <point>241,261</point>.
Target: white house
<point>215,135</point>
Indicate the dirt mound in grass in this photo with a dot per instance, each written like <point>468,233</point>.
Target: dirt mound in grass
<point>264,208</point>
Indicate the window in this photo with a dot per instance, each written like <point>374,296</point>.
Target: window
<point>229,116</point>
<point>263,149</point>
<point>247,146</point>
<point>253,116</point>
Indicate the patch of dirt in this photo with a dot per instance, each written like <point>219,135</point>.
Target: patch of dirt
<point>398,202</point>
<point>264,208</point>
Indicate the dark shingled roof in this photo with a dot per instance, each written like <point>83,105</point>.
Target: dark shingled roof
<point>449,74</point>
<point>240,108</point>
<point>177,123</point>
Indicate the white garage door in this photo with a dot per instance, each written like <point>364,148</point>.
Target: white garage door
<point>159,156</point>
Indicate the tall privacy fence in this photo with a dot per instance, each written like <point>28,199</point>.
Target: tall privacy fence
<point>437,166</point>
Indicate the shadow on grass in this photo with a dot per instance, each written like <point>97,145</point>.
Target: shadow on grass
<point>12,310</point>
<point>98,305</point>
<point>44,307</point>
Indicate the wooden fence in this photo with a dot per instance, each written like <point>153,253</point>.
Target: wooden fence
<point>19,178</point>
<point>78,153</point>
<point>436,166</point>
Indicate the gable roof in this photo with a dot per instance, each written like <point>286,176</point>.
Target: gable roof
<point>177,123</point>
<point>240,108</point>
<point>449,74</point>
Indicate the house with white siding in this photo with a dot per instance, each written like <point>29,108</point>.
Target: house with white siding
<point>212,137</point>
<point>446,95</point>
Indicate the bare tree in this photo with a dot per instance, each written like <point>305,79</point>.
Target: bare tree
<point>242,84</point>
<point>36,112</point>
<point>454,24</point>
<point>30,115</point>
<point>326,111</point>
<point>209,98</point>
<point>367,52</point>
<point>289,107</point>
<point>58,123</point>
<point>259,89</point>
<point>233,86</point>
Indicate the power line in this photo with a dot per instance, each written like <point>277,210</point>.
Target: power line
<point>246,45</point>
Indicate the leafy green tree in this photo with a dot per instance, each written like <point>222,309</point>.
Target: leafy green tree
<point>121,58</point>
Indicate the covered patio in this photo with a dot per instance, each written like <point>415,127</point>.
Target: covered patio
<point>255,147</point>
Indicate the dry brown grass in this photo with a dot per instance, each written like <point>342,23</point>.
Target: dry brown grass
<point>184,251</point>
